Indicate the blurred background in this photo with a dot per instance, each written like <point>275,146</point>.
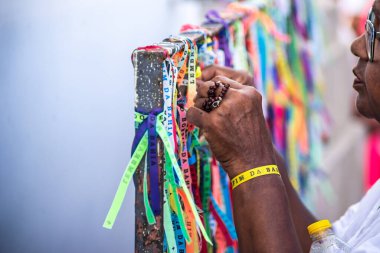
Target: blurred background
<point>66,115</point>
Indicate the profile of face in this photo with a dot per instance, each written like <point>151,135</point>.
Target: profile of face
<point>367,72</point>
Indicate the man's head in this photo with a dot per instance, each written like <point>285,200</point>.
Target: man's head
<point>367,73</point>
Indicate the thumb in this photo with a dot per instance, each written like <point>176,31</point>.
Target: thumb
<point>197,117</point>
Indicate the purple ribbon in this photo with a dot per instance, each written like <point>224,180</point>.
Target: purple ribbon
<point>213,17</point>
<point>297,22</point>
<point>153,164</point>
<point>139,133</point>
<point>276,78</point>
<point>308,72</point>
<point>149,124</point>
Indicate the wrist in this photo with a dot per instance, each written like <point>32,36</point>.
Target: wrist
<point>237,167</point>
<point>266,170</point>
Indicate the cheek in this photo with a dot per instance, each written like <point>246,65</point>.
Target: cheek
<point>373,86</point>
<point>363,106</point>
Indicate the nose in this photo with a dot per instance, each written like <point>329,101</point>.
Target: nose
<point>359,47</point>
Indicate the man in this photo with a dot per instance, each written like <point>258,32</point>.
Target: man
<point>268,214</point>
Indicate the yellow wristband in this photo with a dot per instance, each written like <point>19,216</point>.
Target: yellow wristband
<point>254,173</point>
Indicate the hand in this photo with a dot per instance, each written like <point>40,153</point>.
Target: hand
<point>236,131</point>
<point>239,76</point>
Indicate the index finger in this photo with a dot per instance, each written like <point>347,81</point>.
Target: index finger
<point>212,71</point>
<point>209,73</point>
<point>226,80</point>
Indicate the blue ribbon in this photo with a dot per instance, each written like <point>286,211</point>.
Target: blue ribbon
<point>226,192</point>
<point>227,222</point>
<point>180,239</point>
<point>149,124</point>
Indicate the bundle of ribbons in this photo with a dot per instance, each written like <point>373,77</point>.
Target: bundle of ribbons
<point>194,196</point>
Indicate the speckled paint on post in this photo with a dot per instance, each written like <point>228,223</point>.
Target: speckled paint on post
<point>149,96</point>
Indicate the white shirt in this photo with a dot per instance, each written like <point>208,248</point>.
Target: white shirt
<point>360,225</point>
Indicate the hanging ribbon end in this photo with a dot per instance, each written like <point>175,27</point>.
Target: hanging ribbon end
<point>108,224</point>
<point>152,221</point>
<point>209,241</point>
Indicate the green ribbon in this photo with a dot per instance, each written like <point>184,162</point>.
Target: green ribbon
<point>206,190</point>
<point>170,176</point>
<point>168,225</point>
<point>148,210</point>
<point>169,180</point>
<point>125,180</point>
<point>165,139</point>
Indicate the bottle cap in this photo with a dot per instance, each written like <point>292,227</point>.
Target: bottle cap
<point>319,226</point>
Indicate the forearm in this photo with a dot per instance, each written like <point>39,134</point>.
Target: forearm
<point>300,214</point>
<point>263,218</point>
<point>238,137</point>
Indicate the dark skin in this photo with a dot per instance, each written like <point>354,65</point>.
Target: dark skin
<point>268,213</point>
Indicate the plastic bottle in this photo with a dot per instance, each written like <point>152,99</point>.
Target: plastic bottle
<point>324,239</point>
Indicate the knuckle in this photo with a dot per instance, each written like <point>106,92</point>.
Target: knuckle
<point>232,95</point>
<point>244,94</point>
<point>249,97</point>
<point>208,84</point>
<point>252,93</point>
<point>257,95</point>
<point>218,78</point>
